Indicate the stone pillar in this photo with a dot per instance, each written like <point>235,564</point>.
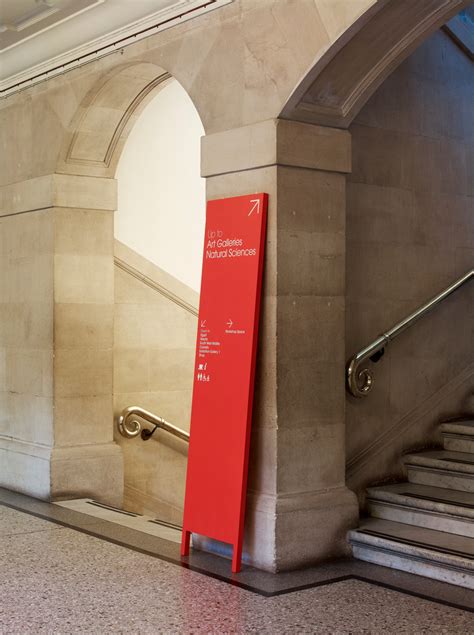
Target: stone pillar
<point>57,432</point>
<point>299,508</point>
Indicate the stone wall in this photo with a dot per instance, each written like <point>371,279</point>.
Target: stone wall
<point>26,349</point>
<point>56,337</point>
<point>61,142</point>
<point>298,507</point>
<point>410,233</point>
<point>154,344</point>
<point>239,65</point>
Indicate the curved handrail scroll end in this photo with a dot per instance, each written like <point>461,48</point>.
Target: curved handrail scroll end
<point>131,428</point>
<point>360,382</point>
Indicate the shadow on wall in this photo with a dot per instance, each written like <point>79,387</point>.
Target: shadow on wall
<point>410,233</point>
<point>154,343</point>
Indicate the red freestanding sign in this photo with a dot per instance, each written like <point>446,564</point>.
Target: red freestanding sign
<point>224,372</point>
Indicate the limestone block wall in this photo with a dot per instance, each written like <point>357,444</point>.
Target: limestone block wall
<point>410,232</point>
<point>26,348</point>
<point>239,66</point>
<point>298,508</point>
<point>56,337</point>
<point>154,344</point>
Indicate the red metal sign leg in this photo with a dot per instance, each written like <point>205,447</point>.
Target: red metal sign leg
<point>237,556</point>
<point>185,540</point>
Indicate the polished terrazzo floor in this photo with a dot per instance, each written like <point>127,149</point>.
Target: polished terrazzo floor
<point>54,579</point>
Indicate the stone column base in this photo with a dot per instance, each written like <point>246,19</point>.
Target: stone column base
<point>311,527</point>
<point>25,467</point>
<point>293,531</point>
<point>259,539</point>
<point>94,471</point>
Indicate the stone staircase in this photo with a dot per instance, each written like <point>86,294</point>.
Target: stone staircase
<point>426,526</point>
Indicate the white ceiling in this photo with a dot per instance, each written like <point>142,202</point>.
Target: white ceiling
<point>21,20</point>
<point>39,37</point>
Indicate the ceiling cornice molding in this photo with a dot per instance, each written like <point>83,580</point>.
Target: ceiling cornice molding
<point>44,11</point>
<point>179,12</point>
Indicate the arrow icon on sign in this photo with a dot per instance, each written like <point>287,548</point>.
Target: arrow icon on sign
<point>256,206</point>
<point>203,323</point>
<point>229,323</point>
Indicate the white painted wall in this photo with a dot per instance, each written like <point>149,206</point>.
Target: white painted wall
<point>161,196</point>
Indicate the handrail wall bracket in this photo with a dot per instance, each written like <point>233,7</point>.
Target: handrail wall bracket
<point>131,428</point>
<point>360,380</point>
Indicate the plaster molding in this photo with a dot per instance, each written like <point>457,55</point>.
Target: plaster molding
<point>117,131</point>
<point>324,499</point>
<point>150,274</point>
<point>104,119</point>
<point>333,93</point>
<point>55,473</point>
<point>24,472</point>
<point>28,448</point>
<point>58,190</point>
<point>179,12</point>
<point>46,15</point>
<point>275,142</point>
<point>287,503</point>
<point>48,452</point>
<point>86,450</point>
<point>152,284</point>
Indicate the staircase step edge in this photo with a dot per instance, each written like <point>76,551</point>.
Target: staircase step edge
<point>450,510</point>
<point>420,460</point>
<point>426,553</point>
<point>458,427</point>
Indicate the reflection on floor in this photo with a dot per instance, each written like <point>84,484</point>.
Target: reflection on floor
<point>56,579</point>
<point>138,522</point>
<point>62,570</point>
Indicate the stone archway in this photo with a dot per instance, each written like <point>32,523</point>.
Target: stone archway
<point>85,461</point>
<point>302,159</point>
<point>338,86</point>
<point>298,476</point>
<point>100,127</point>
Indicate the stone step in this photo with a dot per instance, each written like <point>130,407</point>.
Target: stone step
<point>424,506</point>
<point>433,554</point>
<point>458,436</point>
<point>442,468</point>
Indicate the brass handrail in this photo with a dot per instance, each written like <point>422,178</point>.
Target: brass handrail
<point>360,382</point>
<point>135,411</point>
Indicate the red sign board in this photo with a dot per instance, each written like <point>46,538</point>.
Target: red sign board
<point>224,372</point>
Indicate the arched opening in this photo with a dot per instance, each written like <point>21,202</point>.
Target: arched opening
<point>410,234</point>
<point>337,87</point>
<point>137,125</point>
<point>159,229</point>
<point>161,196</point>
<point>403,90</point>
<point>82,271</point>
